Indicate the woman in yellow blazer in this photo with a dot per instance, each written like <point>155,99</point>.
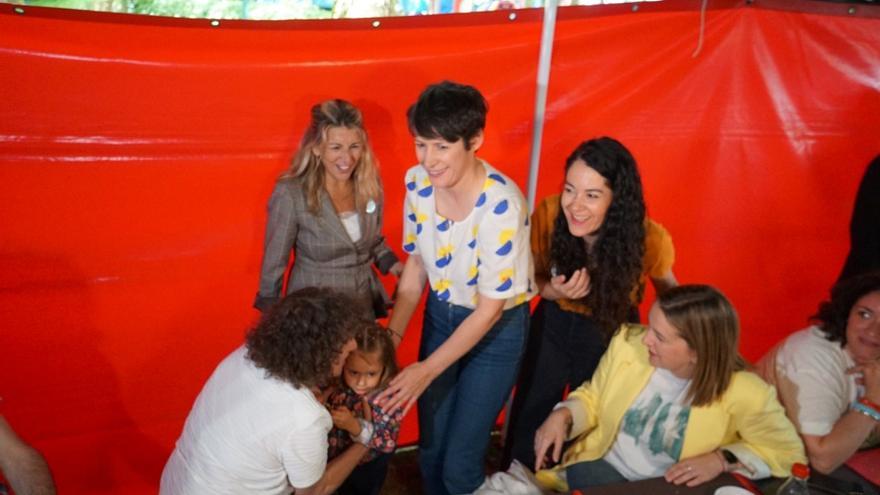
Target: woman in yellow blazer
<point>670,400</point>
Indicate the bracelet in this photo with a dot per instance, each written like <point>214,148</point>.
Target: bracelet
<point>873,405</point>
<point>366,433</point>
<point>867,411</point>
<point>395,333</point>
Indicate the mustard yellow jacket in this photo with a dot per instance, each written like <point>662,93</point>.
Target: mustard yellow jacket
<point>748,419</point>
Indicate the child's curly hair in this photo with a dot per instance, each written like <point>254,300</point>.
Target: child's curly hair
<point>298,340</point>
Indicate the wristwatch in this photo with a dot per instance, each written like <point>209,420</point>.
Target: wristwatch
<point>731,459</point>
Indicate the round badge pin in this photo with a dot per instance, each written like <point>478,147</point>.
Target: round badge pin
<point>371,206</point>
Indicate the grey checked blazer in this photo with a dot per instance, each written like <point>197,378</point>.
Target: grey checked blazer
<point>325,255</point>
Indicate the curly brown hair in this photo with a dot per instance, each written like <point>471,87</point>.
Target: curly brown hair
<point>298,340</point>
<point>833,314</point>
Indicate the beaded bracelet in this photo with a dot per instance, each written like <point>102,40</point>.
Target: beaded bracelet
<point>873,405</point>
<point>867,411</point>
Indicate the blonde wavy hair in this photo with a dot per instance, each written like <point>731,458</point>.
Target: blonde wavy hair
<point>305,164</point>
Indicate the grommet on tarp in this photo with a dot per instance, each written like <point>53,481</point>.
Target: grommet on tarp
<point>851,11</point>
<point>511,16</point>
<point>18,10</point>
<point>215,23</point>
<point>635,7</point>
<point>376,24</point>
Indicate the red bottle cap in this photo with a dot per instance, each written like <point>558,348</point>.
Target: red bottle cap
<point>801,471</point>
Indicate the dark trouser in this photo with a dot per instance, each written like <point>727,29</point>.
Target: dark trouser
<point>592,473</point>
<point>367,478</point>
<point>563,351</point>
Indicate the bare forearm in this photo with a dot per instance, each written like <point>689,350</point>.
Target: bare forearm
<point>409,291</point>
<point>828,452</point>
<point>404,306</point>
<point>22,465</point>
<point>337,471</point>
<point>31,476</point>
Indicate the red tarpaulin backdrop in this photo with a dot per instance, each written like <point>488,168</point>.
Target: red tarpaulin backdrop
<point>137,155</point>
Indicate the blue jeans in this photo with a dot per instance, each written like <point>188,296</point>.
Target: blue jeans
<point>459,408</point>
<point>592,473</point>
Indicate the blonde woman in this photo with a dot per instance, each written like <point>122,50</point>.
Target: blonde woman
<point>670,400</point>
<point>327,209</point>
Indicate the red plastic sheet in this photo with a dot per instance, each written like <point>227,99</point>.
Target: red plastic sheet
<point>137,155</point>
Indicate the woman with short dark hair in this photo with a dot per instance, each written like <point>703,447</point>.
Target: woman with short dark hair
<point>466,232</point>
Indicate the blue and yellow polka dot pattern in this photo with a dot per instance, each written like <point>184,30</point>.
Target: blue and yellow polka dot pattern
<point>485,254</point>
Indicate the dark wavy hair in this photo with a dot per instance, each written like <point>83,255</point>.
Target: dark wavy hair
<point>834,313</point>
<point>615,260</point>
<point>298,340</point>
<point>449,110</point>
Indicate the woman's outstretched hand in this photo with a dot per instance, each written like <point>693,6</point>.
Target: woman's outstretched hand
<point>552,434</point>
<point>405,388</point>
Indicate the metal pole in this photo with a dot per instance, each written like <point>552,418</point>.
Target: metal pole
<point>537,132</point>
<point>541,96</point>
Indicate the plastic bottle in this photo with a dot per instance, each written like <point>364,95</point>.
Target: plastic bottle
<point>796,484</point>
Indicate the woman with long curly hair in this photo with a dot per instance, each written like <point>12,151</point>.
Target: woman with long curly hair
<point>593,248</point>
<point>327,208</point>
<point>259,424</point>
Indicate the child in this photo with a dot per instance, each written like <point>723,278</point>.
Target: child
<point>367,372</point>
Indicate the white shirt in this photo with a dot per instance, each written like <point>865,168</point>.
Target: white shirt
<point>351,221</point>
<point>814,369</point>
<point>652,430</point>
<point>248,433</point>
<point>487,253</point>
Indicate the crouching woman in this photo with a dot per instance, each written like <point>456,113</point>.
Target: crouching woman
<point>670,400</point>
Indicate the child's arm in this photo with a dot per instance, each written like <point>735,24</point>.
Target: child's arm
<point>386,428</point>
<point>345,420</point>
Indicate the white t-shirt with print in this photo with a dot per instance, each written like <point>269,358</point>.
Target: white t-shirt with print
<point>652,430</point>
<point>487,253</point>
<point>815,369</point>
<point>248,433</point>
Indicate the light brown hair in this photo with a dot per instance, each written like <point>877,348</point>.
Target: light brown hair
<point>306,164</point>
<point>706,320</point>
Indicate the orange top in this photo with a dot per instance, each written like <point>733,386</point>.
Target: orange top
<point>658,260</point>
